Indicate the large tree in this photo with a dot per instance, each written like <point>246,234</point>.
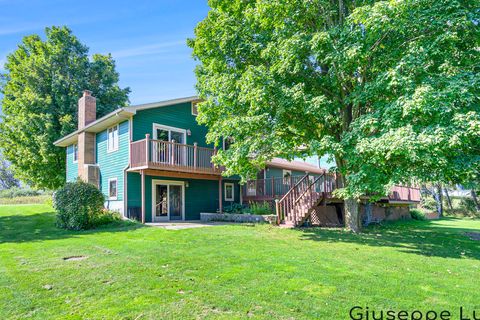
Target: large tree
<point>42,84</point>
<point>388,89</point>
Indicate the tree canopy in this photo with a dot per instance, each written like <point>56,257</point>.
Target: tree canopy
<point>389,89</point>
<point>43,82</point>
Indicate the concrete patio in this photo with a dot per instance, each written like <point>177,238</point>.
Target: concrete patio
<point>180,225</point>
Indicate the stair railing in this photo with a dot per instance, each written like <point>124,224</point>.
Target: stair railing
<point>285,206</point>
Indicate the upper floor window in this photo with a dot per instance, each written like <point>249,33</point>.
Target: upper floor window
<point>227,142</point>
<point>112,138</point>
<point>287,174</point>
<point>75,152</point>
<point>195,108</point>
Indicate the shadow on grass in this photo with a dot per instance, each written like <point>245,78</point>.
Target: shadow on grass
<point>418,237</point>
<point>41,226</point>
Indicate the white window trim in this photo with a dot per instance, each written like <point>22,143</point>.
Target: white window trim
<point>225,191</point>
<point>284,171</point>
<point>169,129</point>
<point>223,142</point>
<point>110,180</point>
<point>168,183</point>
<point>73,153</point>
<point>118,138</point>
<point>194,103</point>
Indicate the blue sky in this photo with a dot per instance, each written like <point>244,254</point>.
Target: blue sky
<point>146,38</point>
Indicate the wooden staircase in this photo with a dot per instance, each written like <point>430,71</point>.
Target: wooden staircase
<point>296,206</point>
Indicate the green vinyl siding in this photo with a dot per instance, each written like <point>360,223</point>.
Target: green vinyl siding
<point>112,164</point>
<point>72,167</point>
<point>278,173</point>
<point>200,195</point>
<point>178,116</point>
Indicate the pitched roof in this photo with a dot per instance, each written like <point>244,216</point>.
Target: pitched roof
<point>294,165</point>
<point>117,116</point>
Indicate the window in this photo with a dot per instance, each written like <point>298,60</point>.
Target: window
<point>112,189</point>
<point>229,195</point>
<point>195,108</point>
<point>112,139</point>
<point>227,142</point>
<point>286,176</point>
<point>75,153</point>
<point>251,188</point>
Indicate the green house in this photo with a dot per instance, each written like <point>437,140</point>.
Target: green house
<point>153,163</point>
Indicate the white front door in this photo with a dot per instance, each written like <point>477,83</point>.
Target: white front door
<point>168,200</point>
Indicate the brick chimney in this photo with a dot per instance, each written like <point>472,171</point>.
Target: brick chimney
<point>87,109</point>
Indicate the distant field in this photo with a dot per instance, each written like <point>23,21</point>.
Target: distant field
<point>41,199</point>
<point>130,271</point>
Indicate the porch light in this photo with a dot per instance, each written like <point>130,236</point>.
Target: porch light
<point>186,184</point>
<point>189,133</point>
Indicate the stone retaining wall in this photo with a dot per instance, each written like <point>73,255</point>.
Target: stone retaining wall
<point>237,217</point>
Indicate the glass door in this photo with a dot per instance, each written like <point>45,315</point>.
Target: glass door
<point>168,201</point>
<point>161,202</point>
<point>161,151</point>
<point>165,152</point>
<point>178,150</point>
<point>175,202</point>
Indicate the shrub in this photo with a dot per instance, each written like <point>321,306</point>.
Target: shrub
<point>106,216</point>
<point>428,202</point>
<point>78,205</point>
<point>468,205</point>
<point>417,214</point>
<point>260,208</point>
<point>234,208</point>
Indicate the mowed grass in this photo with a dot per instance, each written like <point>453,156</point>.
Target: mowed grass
<point>231,272</point>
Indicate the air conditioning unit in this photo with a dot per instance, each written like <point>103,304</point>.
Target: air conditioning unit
<point>93,174</point>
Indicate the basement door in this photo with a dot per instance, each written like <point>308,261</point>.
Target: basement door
<point>168,200</point>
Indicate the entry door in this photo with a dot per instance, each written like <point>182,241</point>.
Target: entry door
<point>161,202</point>
<point>167,201</point>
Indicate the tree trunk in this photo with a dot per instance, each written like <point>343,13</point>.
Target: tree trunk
<point>352,215</point>
<point>475,199</point>
<point>449,201</point>
<point>439,200</point>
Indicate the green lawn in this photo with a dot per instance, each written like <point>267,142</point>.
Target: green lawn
<point>234,271</point>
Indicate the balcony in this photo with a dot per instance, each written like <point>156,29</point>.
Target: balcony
<point>171,156</point>
<point>405,194</point>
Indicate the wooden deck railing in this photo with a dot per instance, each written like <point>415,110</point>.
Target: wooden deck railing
<point>403,193</point>
<point>276,187</point>
<point>165,155</point>
<point>297,203</point>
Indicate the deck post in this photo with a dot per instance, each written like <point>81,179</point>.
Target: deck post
<point>220,204</point>
<point>241,194</point>
<point>147,148</point>
<point>195,156</point>
<point>142,173</point>
<point>173,152</point>
<point>273,188</point>
<point>277,211</point>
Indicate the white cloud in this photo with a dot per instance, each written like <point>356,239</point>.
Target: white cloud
<point>148,49</point>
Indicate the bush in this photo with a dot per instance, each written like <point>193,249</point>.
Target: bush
<point>234,208</point>
<point>428,202</point>
<point>468,205</point>
<point>417,214</point>
<point>260,208</point>
<point>106,217</point>
<point>79,205</point>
